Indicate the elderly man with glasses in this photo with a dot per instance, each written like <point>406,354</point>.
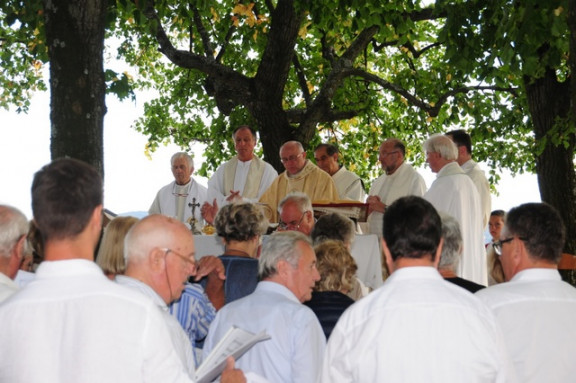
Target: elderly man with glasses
<point>399,180</point>
<point>535,308</point>
<point>296,213</point>
<point>300,175</point>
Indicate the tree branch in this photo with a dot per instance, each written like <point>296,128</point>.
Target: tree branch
<point>301,79</point>
<point>431,110</point>
<point>229,87</point>
<point>297,116</point>
<point>203,33</point>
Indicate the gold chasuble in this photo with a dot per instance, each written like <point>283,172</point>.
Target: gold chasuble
<point>312,180</point>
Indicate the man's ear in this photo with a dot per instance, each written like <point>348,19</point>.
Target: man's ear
<point>96,218</point>
<point>20,247</point>
<point>282,268</point>
<point>438,254</point>
<point>157,259</point>
<point>519,256</point>
<point>387,256</point>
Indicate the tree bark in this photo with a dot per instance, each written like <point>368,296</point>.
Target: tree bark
<point>549,100</point>
<point>75,37</point>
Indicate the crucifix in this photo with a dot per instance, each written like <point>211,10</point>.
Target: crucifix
<point>192,220</point>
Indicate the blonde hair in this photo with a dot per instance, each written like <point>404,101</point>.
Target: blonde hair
<point>110,256</point>
<point>336,266</point>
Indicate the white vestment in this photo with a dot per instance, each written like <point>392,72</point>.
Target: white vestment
<point>403,182</point>
<point>176,201</point>
<point>251,178</point>
<point>482,185</point>
<point>349,185</point>
<point>454,193</point>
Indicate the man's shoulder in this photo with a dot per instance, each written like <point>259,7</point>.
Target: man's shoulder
<point>516,291</point>
<point>346,174</point>
<point>168,186</point>
<point>92,291</point>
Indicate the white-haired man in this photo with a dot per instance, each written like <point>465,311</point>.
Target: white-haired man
<point>13,229</point>
<point>454,193</point>
<point>183,195</point>
<point>287,271</point>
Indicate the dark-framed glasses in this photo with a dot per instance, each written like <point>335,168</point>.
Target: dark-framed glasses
<point>291,225</point>
<point>497,245</point>
<point>386,154</point>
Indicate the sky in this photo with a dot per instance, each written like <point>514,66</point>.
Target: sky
<point>131,179</point>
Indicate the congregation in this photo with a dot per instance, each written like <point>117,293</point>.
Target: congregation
<point>129,300</point>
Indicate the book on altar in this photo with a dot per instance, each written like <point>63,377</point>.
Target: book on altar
<point>234,343</point>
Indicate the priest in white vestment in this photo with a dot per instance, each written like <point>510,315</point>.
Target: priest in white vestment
<point>348,184</point>
<point>399,180</point>
<point>300,175</point>
<point>464,144</point>
<point>244,178</point>
<point>182,196</point>
<point>454,193</point>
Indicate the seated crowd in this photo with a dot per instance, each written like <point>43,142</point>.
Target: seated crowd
<point>133,302</point>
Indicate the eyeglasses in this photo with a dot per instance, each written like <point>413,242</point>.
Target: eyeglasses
<point>175,193</point>
<point>190,262</point>
<point>292,158</point>
<point>384,154</point>
<point>291,225</point>
<point>497,245</point>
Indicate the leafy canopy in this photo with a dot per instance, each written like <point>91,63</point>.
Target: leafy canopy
<point>403,69</point>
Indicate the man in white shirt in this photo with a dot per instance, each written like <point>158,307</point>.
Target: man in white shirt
<point>287,271</point>
<point>183,196</point>
<point>13,229</point>
<point>71,320</point>
<point>464,144</point>
<point>535,308</point>
<point>416,327</point>
<point>244,178</point>
<point>159,254</point>
<point>454,193</point>
<point>399,180</point>
<point>348,184</point>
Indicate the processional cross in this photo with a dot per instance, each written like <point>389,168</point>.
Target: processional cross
<point>192,220</point>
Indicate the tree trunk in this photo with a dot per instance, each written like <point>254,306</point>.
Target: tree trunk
<point>274,131</point>
<point>75,37</point>
<point>548,101</point>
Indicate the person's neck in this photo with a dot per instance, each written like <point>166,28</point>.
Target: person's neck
<point>392,171</point>
<point>402,262</point>
<point>334,170</point>
<point>5,267</point>
<point>185,183</point>
<point>463,159</point>
<point>246,158</point>
<point>68,249</point>
<point>240,249</point>
<point>447,273</point>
